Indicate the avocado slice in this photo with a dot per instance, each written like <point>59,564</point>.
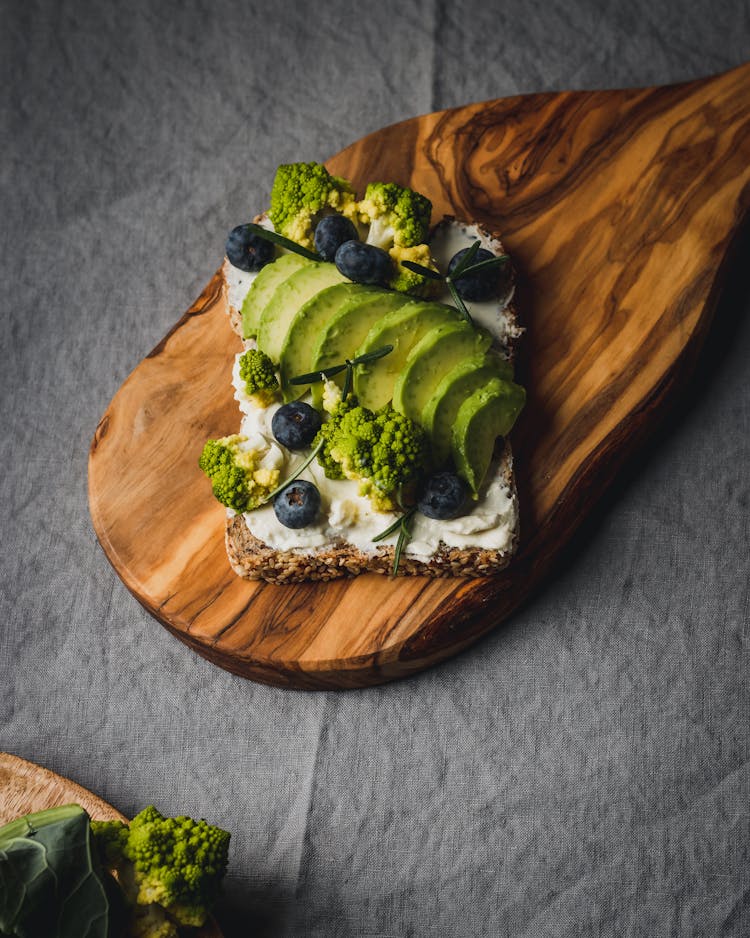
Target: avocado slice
<point>345,332</point>
<point>403,328</point>
<point>435,354</point>
<point>485,415</point>
<point>262,288</point>
<point>439,414</point>
<point>288,297</point>
<point>305,328</point>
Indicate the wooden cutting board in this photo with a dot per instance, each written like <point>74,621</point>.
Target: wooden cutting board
<point>618,209</point>
<point>26,787</point>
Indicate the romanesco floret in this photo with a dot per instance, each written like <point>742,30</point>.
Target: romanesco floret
<point>401,450</point>
<point>383,449</point>
<point>327,434</point>
<point>259,374</point>
<point>238,478</point>
<point>352,444</point>
<point>408,281</point>
<point>396,215</point>
<point>302,193</point>
<point>174,863</point>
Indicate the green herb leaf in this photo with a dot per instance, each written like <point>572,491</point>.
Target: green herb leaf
<point>404,536</point>
<point>402,524</point>
<point>460,305</point>
<point>283,242</point>
<point>388,531</point>
<point>371,356</point>
<point>483,265</point>
<point>465,262</point>
<point>314,376</point>
<point>392,528</point>
<point>425,271</point>
<point>50,880</point>
<point>297,472</point>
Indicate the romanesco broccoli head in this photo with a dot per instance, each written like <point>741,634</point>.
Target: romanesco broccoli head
<point>238,478</point>
<point>327,434</point>
<point>111,837</point>
<point>408,281</point>
<point>259,375</point>
<point>383,449</point>
<point>352,444</point>
<point>302,193</point>
<point>396,215</point>
<point>174,863</point>
<point>400,453</point>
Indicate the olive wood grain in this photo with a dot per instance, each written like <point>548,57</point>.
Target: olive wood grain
<point>26,787</point>
<point>618,209</point>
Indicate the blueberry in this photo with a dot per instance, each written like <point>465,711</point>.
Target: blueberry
<point>443,496</point>
<point>298,504</point>
<point>331,232</point>
<point>295,425</point>
<point>363,263</point>
<point>247,250</point>
<point>481,286</point>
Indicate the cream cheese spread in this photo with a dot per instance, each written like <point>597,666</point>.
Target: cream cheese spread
<point>347,516</point>
<point>238,283</point>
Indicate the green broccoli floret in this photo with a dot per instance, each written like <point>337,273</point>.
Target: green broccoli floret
<point>302,193</point>
<point>175,864</point>
<point>396,215</point>
<point>384,450</point>
<point>238,479</point>
<point>259,374</point>
<point>408,281</point>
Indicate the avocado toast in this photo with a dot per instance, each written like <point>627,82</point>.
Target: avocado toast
<point>383,445</point>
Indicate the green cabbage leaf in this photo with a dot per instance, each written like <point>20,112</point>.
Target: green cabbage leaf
<point>50,880</point>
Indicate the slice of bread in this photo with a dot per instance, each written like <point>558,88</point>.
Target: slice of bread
<point>254,559</point>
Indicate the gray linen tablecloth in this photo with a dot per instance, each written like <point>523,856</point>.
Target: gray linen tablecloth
<point>584,770</point>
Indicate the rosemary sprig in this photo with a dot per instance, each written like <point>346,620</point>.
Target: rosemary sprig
<point>283,242</point>
<point>402,524</point>
<point>464,268</point>
<point>483,265</point>
<point>460,270</point>
<point>448,280</point>
<point>463,265</point>
<point>297,472</point>
<point>460,305</point>
<point>314,376</point>
<point>425,271</point>
<point>392,528</point>
<point>403,538</point>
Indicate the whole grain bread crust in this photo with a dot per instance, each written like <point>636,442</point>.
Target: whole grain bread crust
<point>253,559</point>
